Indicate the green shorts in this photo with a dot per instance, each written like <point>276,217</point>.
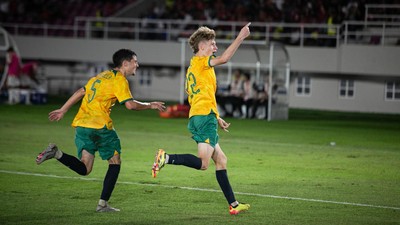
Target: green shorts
<point>105,141</point>
<point>204,129</point>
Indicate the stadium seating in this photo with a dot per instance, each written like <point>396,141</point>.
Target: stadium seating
<point>56,12</point>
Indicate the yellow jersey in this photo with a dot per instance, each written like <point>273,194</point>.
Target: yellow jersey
<point>201,86</point>
<point>102,91</point>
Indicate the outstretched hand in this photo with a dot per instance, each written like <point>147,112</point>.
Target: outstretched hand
<point>224,125</point>
<point>245,31</point>
<point>160,106</point>
<point>56,115</point>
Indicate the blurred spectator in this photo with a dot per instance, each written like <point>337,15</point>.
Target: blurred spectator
<point>331,30</point>
<point>262,98</point>
<point>234,97</point>
<point>352,13</point>
<point>22,80</point>
<point>98,25</point>
<point>250,95</point>
<point>13,76</point>
<point>28,77</point>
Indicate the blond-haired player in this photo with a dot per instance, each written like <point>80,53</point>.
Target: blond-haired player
<point>201,86</point>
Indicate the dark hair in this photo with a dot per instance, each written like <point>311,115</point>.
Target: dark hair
<point>10,49</point>
<point>122,55</point>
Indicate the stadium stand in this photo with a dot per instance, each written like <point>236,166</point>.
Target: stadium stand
<point>56,12</point>
<point>300,22</point>
<point>352,27</point>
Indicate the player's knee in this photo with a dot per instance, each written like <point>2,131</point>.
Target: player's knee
<point>88,171</point>
<point>204,165</point>
<point>222,162</point>
<point>223,159</point>
<point>85,168</point>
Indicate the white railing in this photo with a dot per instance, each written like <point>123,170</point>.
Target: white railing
<point>378,33</point>
<point>391,12</point>
<point>171,30</point>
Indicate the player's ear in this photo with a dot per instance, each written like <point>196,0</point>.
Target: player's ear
<point>201,45</point>
<point>124,63</point>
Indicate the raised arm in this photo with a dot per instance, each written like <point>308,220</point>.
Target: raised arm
<point>58,114</point>
<point>230,51</point>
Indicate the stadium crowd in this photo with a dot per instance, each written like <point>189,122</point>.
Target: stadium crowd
<point>56,12</point>
<point>294,11</point>
<point>327,13</point>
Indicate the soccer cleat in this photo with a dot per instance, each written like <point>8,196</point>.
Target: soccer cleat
<point>239,208</point>
<point>159,162</point>
<point>48,153</point>
<point>154,170</point>
<point>106,208</point>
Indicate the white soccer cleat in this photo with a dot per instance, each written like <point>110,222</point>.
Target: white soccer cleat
<point>106,208</point>
<point>48,153</point>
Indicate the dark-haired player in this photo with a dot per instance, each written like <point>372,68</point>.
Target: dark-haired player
<point>94,127</point>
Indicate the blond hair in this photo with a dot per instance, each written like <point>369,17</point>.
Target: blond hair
<point>201,34</point>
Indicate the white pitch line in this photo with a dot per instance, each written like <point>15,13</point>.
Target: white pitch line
<point>204,189</point>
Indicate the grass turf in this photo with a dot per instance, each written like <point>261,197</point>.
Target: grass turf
<point>286,170</point>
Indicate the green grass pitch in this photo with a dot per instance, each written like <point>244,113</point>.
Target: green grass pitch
<point>287,170</point>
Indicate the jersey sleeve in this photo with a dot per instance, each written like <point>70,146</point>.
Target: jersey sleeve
<point>122,90</point>
<point>208,61</point>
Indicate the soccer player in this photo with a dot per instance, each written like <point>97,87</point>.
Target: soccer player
<point>94,127</point>
<point>201,86</point>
